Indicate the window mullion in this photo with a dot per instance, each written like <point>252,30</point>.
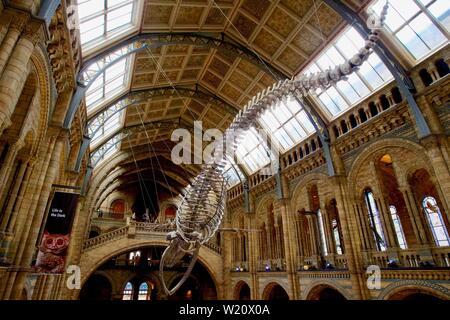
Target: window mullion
<point>366,83</point>
<point>105,18</point>
<point>357,72</point>
<point>433,19</point>
<point>343,95</point>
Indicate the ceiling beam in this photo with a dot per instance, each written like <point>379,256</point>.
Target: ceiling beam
<point>149,41</point>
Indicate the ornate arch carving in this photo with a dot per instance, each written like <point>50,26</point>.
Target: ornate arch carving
<point>427,286</point>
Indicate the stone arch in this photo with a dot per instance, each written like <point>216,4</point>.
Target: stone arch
<point>98,284</point>
<point>41,65</point>
<point>312,292</point>
<point>166,207</point>
<point>118,207</point>
<point>263,201</point>
<point>107,276</point>
<point>147,278</point>
<point>417,286</point>
<point>238,288</point>
<point>22,117</point>
<point>268,290</point>
<point>95,230</point>
<point>92,259</point>
<point>300,187</point>
<point>29,141</point>
<point>378,149</point>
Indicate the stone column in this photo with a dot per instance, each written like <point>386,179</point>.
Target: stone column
<point>363,230</point>
<point>5,19</point>
<point>415,221</point>
<point>328,230</point>
<point>289,247</point>
<point>253,254</point>
<point>10,35</point>
<point>389,234</point>
<point>9,164</point>
<point>437,150</point>
<point>430,114</point>
<point>278,241</point>
<point>32,233</point>
<point>425,236</point>
<point>352,243</point>
<point>14,194</point>
<point>15,74</point>
<point>299,236</point>
<point>26,211</point>
<point>227,264</point>
<point>24,187</point>
<point>269,241</point>
<point>312,235</point>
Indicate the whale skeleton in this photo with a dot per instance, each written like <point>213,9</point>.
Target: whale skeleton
<point>203,206</point>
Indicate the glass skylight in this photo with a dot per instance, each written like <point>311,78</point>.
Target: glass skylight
<point>102,19</point>
<point>110,83</point>
<point>253,151</point>
<point>111,125</point>
<point>106,150</point>
<point>106,123</point>
<point>232,173</point>
<point>287,123</point>
<point>371,76</point>
<point>419,25</point>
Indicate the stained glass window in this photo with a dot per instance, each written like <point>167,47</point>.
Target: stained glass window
<point>398,227</point>
<point>128,292</point>
<point>375,221</point>
<point>435,221</point>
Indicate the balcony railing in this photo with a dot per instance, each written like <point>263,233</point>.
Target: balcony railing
<point>105,237</point>
<point>411,258</point>
<point>142,229</point>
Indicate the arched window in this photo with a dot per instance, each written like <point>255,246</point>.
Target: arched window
<point>323,239</point>
<point>128,291</point>
<point>134,257</point>
<point>435,221</point>
<point>337,236</point>
<point>375,221</point>
<point>398,227</point>
<point>143,292</point>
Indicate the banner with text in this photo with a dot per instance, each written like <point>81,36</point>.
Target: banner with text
<point>51,257</point>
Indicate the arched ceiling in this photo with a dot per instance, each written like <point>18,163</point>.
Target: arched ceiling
<point>283,35</point>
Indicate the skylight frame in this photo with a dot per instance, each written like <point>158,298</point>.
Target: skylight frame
<point>106,150</point>
<point>96,130</point>
<point>403,20</point>
<point>107,36</point>
<point>233,173</point>
<point>334,101</point>
<point>297,115</point>
<point>253,152</point>
<point>126,65</point>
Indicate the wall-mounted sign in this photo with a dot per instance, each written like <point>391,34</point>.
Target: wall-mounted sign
<point>51,257</point>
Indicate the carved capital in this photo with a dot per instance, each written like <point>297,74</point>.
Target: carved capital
<point>18,22</point>
<point>18,144</point>
<point>32,33</point>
